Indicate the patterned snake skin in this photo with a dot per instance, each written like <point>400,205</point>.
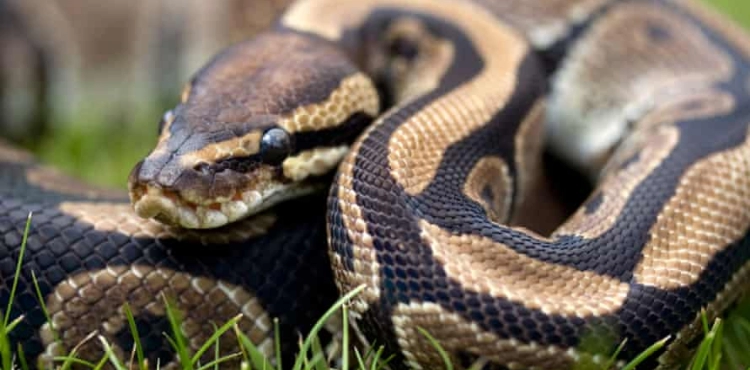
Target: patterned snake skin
<point>91,254</point>
<point>650,97</point>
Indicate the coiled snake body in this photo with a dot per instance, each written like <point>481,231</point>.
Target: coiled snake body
<point>648,96</point>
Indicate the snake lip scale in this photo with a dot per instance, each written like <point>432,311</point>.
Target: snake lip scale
<point>431,117</point>
<point>169,207</point>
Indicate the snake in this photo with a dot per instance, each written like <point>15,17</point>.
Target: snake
<point>431,116</point>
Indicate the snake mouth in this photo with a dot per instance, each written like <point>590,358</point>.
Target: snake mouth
<point>173,208</point>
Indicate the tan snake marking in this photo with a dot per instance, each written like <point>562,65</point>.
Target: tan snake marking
<point>648,96</point>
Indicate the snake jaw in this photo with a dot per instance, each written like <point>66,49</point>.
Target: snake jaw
<point>172,208</point>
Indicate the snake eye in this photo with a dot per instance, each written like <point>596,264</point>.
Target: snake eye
<point>275,146</point>
<point>404,47</point>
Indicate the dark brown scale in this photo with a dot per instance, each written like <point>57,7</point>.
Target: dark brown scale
<point>236,164</point>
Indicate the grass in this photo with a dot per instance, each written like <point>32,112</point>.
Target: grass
<point>738,10</point>
<point>719,349</point>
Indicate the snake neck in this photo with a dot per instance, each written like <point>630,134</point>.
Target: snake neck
<point>445,68</point>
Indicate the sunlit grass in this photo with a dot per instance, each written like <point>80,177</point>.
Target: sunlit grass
<point>100,154</point>
<point>738,10</point>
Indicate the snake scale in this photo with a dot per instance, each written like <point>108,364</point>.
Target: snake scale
<point>433,113</point>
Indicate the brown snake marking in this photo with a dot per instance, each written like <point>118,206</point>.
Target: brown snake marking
<point>489,184</point>
<point>419,211</point>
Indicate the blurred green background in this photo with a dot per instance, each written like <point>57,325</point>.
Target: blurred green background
<point>83,82</point>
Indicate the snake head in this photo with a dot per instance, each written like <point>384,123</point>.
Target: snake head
<point>266,120</point>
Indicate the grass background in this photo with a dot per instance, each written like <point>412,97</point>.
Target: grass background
<point>92,148</point>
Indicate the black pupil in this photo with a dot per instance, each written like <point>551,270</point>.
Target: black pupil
<point>404,47</point>
<point>275,146</point>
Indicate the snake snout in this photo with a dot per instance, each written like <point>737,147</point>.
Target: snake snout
<point>203,196</point>
<point>151,198</point>
<point>190,197</point>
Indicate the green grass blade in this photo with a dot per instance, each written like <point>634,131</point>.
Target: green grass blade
<point>22,357</point>
<point>379,364</point>
<point>360,360</point>
<point>70,360</point>
<point>100,365</point>
<point>717,346</point>
<point>645,354</point>
<point>317,349</point>
<point>368,355</point>
<point>171,341</point>
<point>15,323</point>
<point>17,274</point>
<point>109,353</point>
<point>317,362</point>
<point>257,359</point>
<point>385,362</point>
<point>612,359</point>
<point>375,360</point>
<point>701,356</point>
<point>215,337</point>
<point>217,350</point>
<point>438,348</point>
<point>216,362</point>
<point>43,306</point>
<point>277,343</point>
<point>5,348</point>
<point>709,351</point>
<point>305,359</point>
<point>345,338</point>
<point>136,337</point>
<point>319,325</point>
<point>246,360</point>
<point>174,317</point>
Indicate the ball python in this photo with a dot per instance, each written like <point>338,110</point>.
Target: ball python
<point>648,96</point>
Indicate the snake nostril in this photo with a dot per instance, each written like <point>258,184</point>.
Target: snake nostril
<point>202,167</point>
